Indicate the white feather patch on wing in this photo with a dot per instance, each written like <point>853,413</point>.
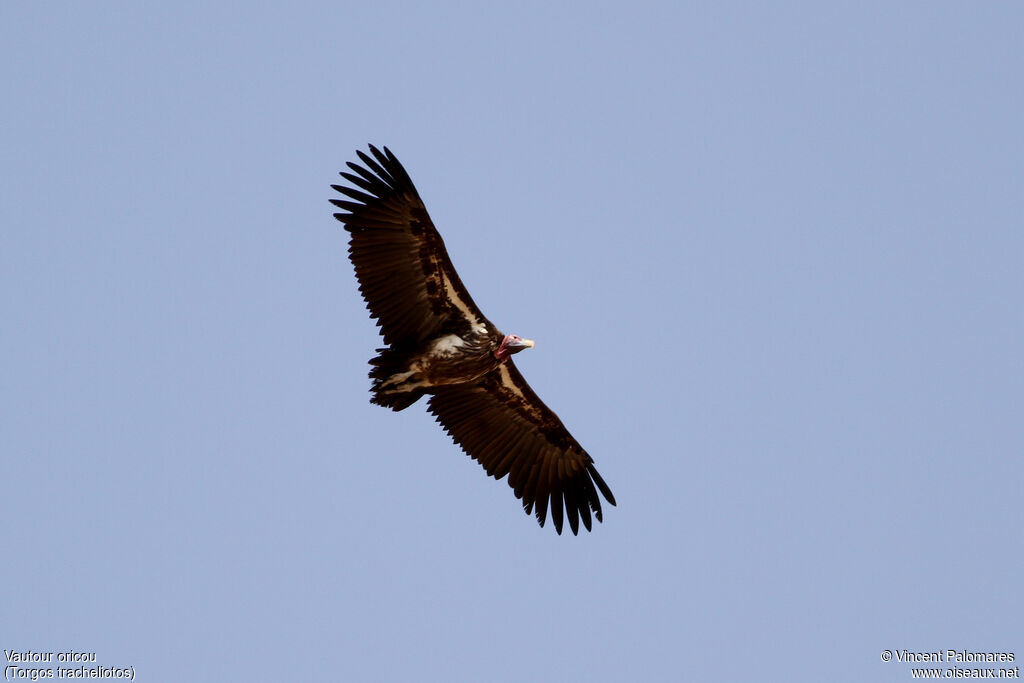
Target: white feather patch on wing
<point>463,307</point>
<point>507,383</point>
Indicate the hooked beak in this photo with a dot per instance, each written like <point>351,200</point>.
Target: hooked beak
<point>514,345</point>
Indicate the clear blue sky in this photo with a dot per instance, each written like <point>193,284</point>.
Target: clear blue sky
<point>771,255</point>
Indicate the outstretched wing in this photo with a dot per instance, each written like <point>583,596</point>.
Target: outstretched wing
<point>404,272</point>
<point>502,424</point>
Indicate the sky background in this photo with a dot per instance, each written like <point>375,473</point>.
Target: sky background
<point>771,255</point>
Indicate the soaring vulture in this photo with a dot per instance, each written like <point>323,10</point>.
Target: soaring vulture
<point>439,343</point>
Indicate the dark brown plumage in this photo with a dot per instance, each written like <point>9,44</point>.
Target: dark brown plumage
<point>441,345</point>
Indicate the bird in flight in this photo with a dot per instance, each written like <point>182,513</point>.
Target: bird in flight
<point>441,345</point>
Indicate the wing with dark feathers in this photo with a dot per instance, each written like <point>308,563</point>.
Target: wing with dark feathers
<point>502,424</point>
<point>404,272</point>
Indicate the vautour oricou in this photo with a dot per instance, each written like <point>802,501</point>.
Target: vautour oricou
<point>33,656</point>
<point>441,345</point>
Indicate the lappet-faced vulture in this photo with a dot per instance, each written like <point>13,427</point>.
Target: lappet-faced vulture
<point>440,344</point>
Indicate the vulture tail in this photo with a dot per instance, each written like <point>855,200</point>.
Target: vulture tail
<point>395,386</point>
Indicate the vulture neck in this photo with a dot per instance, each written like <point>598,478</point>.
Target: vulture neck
<point>503,352</point>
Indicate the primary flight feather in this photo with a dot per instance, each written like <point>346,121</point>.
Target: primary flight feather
<point>440,344</point>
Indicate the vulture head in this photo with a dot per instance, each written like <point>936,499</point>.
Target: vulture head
<point>512,344</point>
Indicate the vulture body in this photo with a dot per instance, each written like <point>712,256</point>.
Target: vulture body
<point>439,344</point>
